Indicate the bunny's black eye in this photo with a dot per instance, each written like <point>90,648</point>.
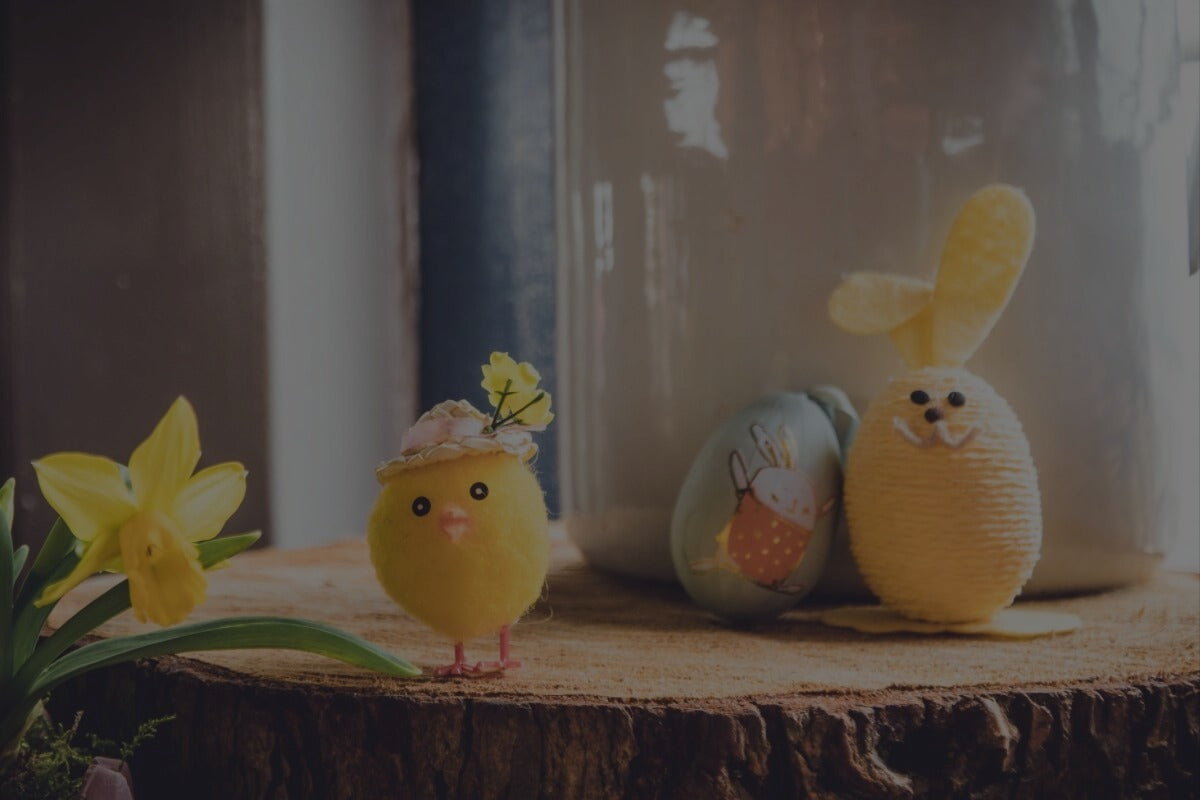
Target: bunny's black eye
<point>956,399</point>
<point>479,490</point>
<point>421,506</point>
<point>919,397</point>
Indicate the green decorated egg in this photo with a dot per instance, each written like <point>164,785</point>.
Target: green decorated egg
<point>758,510</point>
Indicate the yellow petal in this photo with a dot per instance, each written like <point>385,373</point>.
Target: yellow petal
<point>166,580</point>
<point>95,554</point>
<point>499,369</point>
<point>500,375</point>
<point>6,501</point>
<point>492,390</point>
<point>208,500</point>
<point>529,375</point>
<point>503,369</point>
<point>87,491</point>
<point>502,361</point>
<point>985,254</point>
<point>162,464</point>
<point>493,384</point>
<point>536,414</point>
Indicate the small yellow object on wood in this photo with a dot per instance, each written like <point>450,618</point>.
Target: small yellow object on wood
<point>941,491</point>
<point>459,534</point>
<point>945,518</point>
<point>1008,623</point>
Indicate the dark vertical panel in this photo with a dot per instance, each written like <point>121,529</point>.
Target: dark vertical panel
<point>485,133</point>
<point>133,223</point>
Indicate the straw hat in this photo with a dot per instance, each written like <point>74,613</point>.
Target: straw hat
<point>454,429</point>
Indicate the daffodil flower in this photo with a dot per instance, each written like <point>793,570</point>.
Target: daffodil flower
<point>147,526</point>
<point>514,394</point>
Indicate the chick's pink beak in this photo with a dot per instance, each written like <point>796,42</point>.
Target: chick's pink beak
<point>454,522</point>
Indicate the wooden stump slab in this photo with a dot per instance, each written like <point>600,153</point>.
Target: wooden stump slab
<point>630,690</point>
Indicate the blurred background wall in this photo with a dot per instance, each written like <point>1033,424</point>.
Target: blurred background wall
<point>341,257</point>
<point>133,257</point>
<point>220,200</point>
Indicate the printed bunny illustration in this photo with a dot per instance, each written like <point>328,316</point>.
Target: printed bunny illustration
<point>777,509</point>
<point>941,491</point>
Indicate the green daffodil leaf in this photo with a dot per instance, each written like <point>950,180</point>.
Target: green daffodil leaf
<point>113,602</point>
<point>238,633</point>
<point>20,556</point>
<point>54,561</point>
<point>6,501</point>
<point>7,576</point>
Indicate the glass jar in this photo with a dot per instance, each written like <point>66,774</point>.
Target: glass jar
<point>723,164</point>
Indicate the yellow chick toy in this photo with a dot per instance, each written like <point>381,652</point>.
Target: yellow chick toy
<point>941,492</point>
<point>459,534</point>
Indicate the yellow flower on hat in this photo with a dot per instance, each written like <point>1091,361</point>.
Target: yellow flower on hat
<point>503,373</point>
<point>145,525</point>
<point>514,394</point>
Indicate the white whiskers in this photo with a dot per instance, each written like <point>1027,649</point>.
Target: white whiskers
<point>940,433</point>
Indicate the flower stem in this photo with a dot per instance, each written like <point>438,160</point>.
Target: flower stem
<point>514,414</point>
<point>504,393</point>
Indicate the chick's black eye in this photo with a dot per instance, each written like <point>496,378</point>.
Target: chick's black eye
<point>479,490</point>
<point>919,397</point>
<point>421,506</point>
<point>956,399</point>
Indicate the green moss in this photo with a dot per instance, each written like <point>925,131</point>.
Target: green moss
<point>50,763</point>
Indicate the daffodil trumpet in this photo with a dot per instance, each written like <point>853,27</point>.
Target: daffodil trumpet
<point>156,521</point>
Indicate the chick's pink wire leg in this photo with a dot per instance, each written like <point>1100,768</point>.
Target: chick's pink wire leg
<point>505,662</point>
<point>459,667</point>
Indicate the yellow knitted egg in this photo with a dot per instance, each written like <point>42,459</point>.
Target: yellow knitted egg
<point>942,498</point>
<point>941,493</point>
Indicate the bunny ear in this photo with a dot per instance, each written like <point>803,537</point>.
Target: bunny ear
<point>765,445</point>
<point>837,406</point>
<point>737,471</point>
<point>943,324</point>
<point>869,302</point>
<point>787,443</point>
<point>985,255</point>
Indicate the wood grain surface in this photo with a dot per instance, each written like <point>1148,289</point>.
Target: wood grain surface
<point>630,690</point>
